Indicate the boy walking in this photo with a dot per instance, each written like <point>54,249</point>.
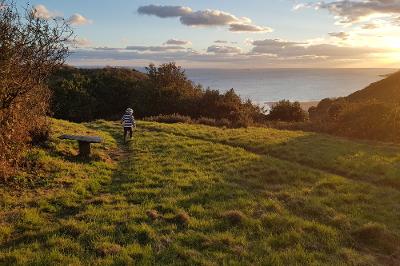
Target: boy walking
<point>128,122</point>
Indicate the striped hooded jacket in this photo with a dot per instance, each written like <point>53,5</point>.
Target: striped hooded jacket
<point>128,120</point>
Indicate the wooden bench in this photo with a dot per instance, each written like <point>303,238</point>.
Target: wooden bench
<point>84,142</point>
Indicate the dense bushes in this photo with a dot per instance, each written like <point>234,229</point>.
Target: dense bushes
<point>367,119</point>
<point>177,118</point>
<point>169,119</point>
<point>372,120</point>
<point>287,111</point>
<point>88,94</point>
<point>30,48</point>
<point>372,113</point>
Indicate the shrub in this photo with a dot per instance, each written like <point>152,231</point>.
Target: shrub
<point>223,122</point>
<point>40,134</point>
<point>365,120</point>
<point>30,49</point>
<point>89,94</point>
<point>206,121</point>
<point>286,111</point>
<point>216,122</point>
<point>327,110</point>
<point>169,119</point>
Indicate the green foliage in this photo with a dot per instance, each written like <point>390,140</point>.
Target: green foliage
<point>177,118</point>
<point>89,94</point>
<point>365,120</point>
<point>187,194</point>
<point>369,120</point>
<point>170,119</point>
<point>371,113</point>
<point>287,111</point>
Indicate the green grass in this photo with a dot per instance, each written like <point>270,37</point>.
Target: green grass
<point>198,195</point>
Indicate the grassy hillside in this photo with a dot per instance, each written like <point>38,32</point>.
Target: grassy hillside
<point>189,194</point>
<point>386,90</point>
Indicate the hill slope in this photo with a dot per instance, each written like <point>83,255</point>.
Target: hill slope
<point>188,194</point>
<point>386,90</point>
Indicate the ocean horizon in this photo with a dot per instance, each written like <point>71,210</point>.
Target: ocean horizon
<point>295,84</point>
<point>268,85</point>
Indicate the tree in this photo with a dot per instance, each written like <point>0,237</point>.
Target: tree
<point>172,91</point>
<point>286,111</point>
<point>30,49</point>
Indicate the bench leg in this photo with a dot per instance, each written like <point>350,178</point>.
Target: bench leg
<point>84,148</point>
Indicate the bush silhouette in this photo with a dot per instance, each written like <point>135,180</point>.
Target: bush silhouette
<point>287,111</point>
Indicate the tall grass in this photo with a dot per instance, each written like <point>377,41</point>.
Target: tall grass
<point>199,195</point>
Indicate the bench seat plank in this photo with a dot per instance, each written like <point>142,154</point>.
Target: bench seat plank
<point>88,139</point>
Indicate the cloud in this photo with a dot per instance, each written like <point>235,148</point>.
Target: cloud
<point>40,11</point>
<point>206,18</point>
<point>210,18</point>
<point>155,48</point>
<point>299,6</point>
<point>78,19</point>
<point>80,42</point>
<point>396,21</point>
<point>351,11</point>
<point>177,42</point>
<point>341,35</point>
<point>369,26</point>
<point>105,48</point>
<point>105,54</point>
<point>220,41</point>
<point>237,27</point>
<point>269,53</point>
<point>164,11</point>
<point>277,48</point>
<point>288,49</point>
<point>223,49</point>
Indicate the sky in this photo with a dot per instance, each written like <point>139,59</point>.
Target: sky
<point>230,33</point>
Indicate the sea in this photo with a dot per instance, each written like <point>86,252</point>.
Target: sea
<point>271,85</point>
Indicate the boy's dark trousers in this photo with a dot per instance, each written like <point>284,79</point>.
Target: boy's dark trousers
<point>126,131</point>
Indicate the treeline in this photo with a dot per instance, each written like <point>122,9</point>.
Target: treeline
<point>370,119</point>
<point>165,94</point>
<point>89,94</point>
<point>371,113</point>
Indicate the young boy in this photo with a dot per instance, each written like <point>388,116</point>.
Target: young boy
<point>128,122</point>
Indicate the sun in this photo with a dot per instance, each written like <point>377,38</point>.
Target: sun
<point>395,44</point>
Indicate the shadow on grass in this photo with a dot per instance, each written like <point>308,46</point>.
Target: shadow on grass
<point>123,154</point>
<point>375,163</point>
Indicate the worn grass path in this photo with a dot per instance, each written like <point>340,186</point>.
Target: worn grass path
<point>197,195</point>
